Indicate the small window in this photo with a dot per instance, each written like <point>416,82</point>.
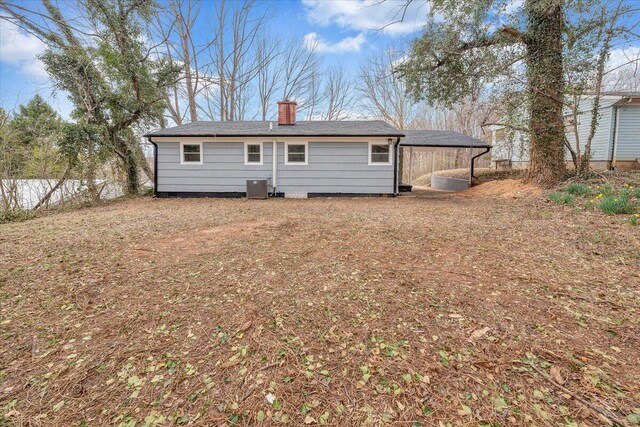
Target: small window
<point>379,154</point>
<point>296,153</point>
<point>191,153</point>
<point>253,153</point>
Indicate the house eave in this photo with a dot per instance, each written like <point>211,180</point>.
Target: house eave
<point>273,135</point>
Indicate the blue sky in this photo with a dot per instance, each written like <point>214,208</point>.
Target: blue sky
<point>344,31</point>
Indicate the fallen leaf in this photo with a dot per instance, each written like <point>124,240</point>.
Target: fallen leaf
<point>479,333</point>
<point>556,374</point>
<point>245,326</point>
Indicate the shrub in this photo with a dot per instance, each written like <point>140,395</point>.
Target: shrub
<point>562,198</point>
<point>16,215</point>
<point>579,190</point>
<point>636,193</point>
<point>612,205</point>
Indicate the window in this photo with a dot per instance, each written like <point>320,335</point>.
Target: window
<point>191,153</point>
<point>379,154</point>
<point>253,153</point>
<point>296,153</point>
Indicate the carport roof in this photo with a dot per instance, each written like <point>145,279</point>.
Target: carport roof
<point>440,138</point>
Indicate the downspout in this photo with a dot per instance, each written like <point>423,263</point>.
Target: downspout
<point>395,166</point>
<point>274,156</point>
<point>155,167</point>
<point>473,159</point>
<point>274,173</point>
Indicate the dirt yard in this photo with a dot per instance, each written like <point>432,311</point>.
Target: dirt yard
<point>440,310</point>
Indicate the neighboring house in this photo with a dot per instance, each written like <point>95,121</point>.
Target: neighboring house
<point>313,158</point>
<point>616,142</point>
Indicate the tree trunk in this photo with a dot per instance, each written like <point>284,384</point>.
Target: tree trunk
<point>546,85</point>
<point>191,97</point>
<point>53,189</point>
<point>131,166</point>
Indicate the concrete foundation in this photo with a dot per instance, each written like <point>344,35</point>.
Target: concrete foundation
<point>449,184</point>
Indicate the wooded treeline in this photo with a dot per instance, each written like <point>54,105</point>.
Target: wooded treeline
<point>130,66</point>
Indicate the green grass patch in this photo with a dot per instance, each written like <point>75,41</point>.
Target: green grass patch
<point>581,190</point>
<point>562,198</point>
<point>605,190</point>
<point>630,192</point>
<point>633,219</point>
<point>16,215</point>
<point>613,205</point>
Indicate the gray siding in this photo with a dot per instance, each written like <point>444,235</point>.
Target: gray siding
<point>601,143</point>
<point>518,151</point>
<point>333,167</point>
<point>628,140</point>
<point>222,168</point>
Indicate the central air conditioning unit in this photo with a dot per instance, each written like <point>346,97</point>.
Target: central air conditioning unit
<point>257,189</point>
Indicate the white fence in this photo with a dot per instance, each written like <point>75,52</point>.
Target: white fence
<point>27,193</point>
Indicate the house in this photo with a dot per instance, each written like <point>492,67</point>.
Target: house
<point>298,159</point>
<point>616,142</point>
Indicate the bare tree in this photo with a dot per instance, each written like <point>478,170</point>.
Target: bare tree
<point>337,95</point>
<point>625,77</point>
<point>232,59</point>
<point>300,79</point>
<point>383,93</point>
<point>269,75</point>
<point>175,27</point>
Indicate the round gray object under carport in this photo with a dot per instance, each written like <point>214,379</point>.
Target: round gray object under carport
<point>449,184</point>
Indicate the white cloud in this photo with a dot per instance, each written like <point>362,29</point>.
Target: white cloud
<point>313,41</point>
<point>623,57</point>
<point>35,68</point>
<point>369,15</point>
<point>513,6</point>
<point>16,46</point>
<point>21,49</point>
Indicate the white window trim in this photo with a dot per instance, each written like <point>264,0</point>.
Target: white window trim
<point>182,144</point>
<point>286,153</point>
<point>390,162</point>
<point>246,154</point>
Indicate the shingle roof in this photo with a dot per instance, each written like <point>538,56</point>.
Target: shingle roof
<point>303,128</point>
<point>440,138</point>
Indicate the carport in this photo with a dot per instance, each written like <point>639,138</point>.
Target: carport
<point>435,140</point>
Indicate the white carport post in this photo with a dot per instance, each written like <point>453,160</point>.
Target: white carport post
<point>410,165</point>
<point>433,165</point>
